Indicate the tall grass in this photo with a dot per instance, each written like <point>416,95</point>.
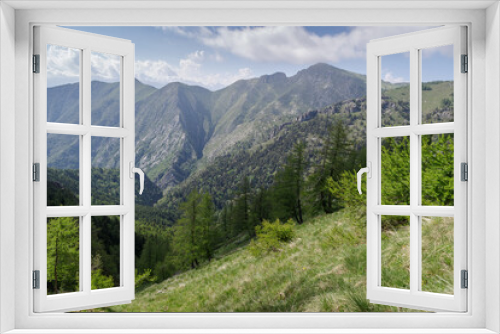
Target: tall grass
<point>323,269</point>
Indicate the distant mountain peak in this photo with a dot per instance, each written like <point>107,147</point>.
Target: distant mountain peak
<point>273,78</point>
<point>321,66</point>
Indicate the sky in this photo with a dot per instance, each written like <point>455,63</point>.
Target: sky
<point>215,57</point>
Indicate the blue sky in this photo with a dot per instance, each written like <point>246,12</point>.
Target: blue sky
<point>214,57</point>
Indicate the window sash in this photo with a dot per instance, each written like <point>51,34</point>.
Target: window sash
<point>85,298</point>
<point>412,43</point>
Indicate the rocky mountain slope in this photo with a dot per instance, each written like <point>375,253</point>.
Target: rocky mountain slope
<point>181,128</point>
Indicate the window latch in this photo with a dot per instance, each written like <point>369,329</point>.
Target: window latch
<point>139,171</point>
<point>368,171</point>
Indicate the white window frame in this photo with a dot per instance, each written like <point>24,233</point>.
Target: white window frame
<point>413,44</point>
<point>484,267</point>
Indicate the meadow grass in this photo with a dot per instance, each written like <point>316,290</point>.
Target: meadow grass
<point>322,270</point>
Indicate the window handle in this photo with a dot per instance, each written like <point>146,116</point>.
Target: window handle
<point>139,171</point>
<point>368,171</point>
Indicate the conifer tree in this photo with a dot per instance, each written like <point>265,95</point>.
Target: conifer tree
<point>207,221</point>
<point>261,207</point>
<point>338,154</point>
<point>189,232</point>
<point>289,185</point>
<point>242,208</point>
<point>63,254</point>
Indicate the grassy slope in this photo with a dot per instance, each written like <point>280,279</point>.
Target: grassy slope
<point>431,99</point>
<point>322,270</point>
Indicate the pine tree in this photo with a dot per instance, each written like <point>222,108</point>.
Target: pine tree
<point>224,218</point>
<point>63,257</point>
<point>289,185</point>
<point>338,154</point>
<point>207,220</point>
<point>241,210</point>
<point>189,232</point>
<point>261,207</point>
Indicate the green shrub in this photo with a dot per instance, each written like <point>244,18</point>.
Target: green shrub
<point>437,178</point>
<point>101,281</point>
<point>144,278</point>
<point>271,236</point>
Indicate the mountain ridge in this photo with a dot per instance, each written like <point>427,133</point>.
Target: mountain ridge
<point>180,128</point>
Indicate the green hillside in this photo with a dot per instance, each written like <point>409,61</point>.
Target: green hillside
<point>436,104</point>
<point>321,270</point>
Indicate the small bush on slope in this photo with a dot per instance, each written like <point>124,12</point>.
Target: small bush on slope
<point>271,237</point>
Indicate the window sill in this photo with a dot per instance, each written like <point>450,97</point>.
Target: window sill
<point>251,331</point>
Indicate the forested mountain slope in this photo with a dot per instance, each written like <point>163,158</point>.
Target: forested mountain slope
<point>222,176</point>
<point>179,127</point>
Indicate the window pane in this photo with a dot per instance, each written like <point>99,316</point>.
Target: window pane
<point>437,254</point>
<point>105,252</point>
<point>395,177</point>
<point>437,170</point>
<point>63,84</point>
<point>105,171</point>
<point>437,84</point>
<point>63,170</point>
<point>63,255</point>
<point>395,85</point>
<point>106,72</point>
<point>395,256</point>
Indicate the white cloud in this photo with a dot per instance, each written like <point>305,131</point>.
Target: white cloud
<point>389,77</point>
<point>290,44</point>
<point>63,65</point>
<point>192,32</point>
<point>217,57</point>
<point>190,70</point>
<point>105,67</point>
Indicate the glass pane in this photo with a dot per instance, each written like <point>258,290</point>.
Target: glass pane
<point>395,256</point>
<point>106,72</point>
<point>395,178</point>
<point>437,84</point>
<point>105,252</point>
<point>105,171</point>
<point>63,255</point>
<point>437,254</point>
<point>395,85</point>
<point>63,84</point>
<point>437,170</point>
<point>63,170</point>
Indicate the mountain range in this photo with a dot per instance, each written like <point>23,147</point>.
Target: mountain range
<point>188,137</point>
<point>180,128</point>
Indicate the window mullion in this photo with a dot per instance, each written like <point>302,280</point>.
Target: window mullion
<point>85,241</point>
<point>414,172</point>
